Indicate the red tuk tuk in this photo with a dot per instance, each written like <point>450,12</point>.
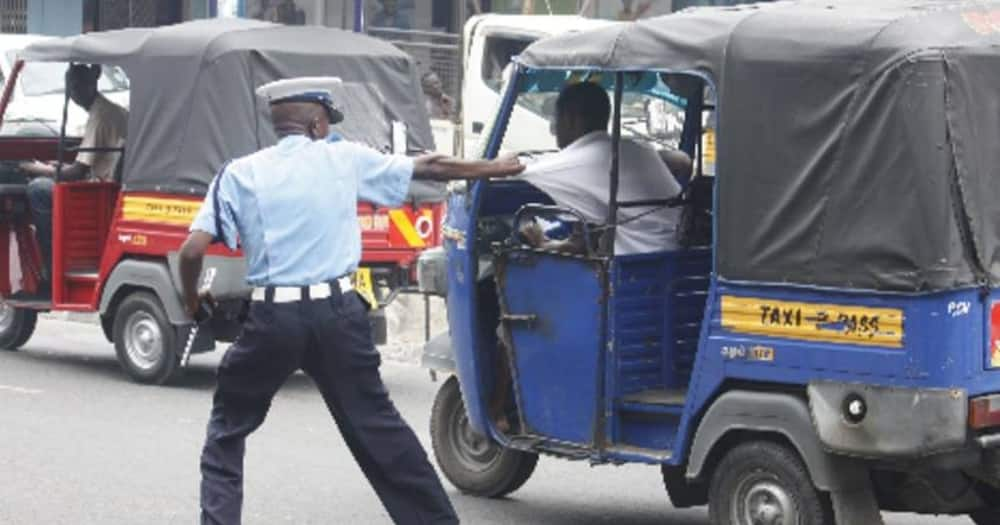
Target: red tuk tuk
<point>192,108</point>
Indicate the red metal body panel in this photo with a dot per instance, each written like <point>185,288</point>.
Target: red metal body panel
<point>144,239</point>
<point>91,235</point>
<point>384,244</point>
<point>81,219</point>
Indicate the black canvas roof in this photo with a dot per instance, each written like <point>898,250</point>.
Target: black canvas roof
<point>192,91</point>
<point>857,140</point>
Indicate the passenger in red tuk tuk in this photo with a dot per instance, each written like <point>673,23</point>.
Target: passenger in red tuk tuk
<point>106,129</point>
<point>577,177</point>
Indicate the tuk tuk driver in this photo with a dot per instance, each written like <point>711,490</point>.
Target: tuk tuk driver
<point>106,128</point>
<point>577,176</point>
<point>293,207</point>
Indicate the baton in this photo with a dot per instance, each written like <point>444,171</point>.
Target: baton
<point>203,315</point>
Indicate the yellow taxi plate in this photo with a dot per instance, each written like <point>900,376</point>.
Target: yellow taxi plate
<point>826,323</point>
<point>176,212</point>
<point>363,284</point>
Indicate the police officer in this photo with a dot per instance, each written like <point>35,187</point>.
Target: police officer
<point>293,207</point>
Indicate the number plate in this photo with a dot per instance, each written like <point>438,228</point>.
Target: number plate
<point>365,287</point>
<point>828,323</point>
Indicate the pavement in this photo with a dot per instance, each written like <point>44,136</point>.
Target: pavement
<point>81,444</point>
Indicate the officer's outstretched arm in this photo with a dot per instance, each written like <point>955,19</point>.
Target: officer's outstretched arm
<point>191,256</point>
<point>443,167</point>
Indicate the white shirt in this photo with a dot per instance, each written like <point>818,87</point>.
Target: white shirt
<point>107,125</point>
<point>579,177</point>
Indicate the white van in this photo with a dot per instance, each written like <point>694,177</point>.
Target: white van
<point>489,43</point>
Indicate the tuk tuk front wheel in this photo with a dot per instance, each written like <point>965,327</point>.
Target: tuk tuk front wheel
<point>475,464</point>
<point>16,326</point>
<point>765,483</point>
<point>145,341</point>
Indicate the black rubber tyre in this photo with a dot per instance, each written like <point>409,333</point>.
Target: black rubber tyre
<point>986,517</point>
<point>762,480</point>
<point>474,464</point>
<point>16,326</point>
<point>683,494</point>
<point>145,341</point>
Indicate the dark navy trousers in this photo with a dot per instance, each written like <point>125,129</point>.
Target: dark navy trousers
<point>330,339</point>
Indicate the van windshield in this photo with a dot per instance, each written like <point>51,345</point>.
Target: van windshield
<point>48,78</point>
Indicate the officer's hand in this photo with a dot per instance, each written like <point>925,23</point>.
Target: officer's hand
<point>200,306</point>
<point>191,306</point>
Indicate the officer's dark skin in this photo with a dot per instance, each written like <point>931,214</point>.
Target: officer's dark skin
<point>311,120</point>
<point>81,83</point>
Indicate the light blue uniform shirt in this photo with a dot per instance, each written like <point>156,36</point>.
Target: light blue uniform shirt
<point>294,207</point>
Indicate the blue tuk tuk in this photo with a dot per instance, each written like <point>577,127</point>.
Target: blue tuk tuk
<point>825,344</point>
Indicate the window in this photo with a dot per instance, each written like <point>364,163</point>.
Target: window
<point>279,11</point>
<point>46,78</point>
<point>498,53</point>
<point>645,118</point>
<point>13,16</point>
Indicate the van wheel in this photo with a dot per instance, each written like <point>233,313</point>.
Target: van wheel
<point>474,464</point>
<point>765,483</point>
<point>986,517</point>
<point>16,326</point>
<point>145,341</point>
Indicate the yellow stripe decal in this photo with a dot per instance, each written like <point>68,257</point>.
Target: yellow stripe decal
<point>405,227</point>
<point>175,212</point>
<point>825,323</point>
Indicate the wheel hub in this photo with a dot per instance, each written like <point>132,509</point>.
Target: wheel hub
<point>476,452</point>
<point>765,502</point>
<point>6,316</point>
<point>143,340</point>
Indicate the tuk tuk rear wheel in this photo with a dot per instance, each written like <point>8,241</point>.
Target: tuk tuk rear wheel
<point>765,483</point>
<point>16,326</point>
<point>986,517</point>
<point>145,341</point>
<point>475,464</point>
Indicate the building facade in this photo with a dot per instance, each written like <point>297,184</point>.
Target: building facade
<point>70,17</point>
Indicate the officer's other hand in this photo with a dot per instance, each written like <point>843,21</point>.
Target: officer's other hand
<point>201,307</point>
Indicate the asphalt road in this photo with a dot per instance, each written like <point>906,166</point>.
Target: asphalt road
<point>80,444</point>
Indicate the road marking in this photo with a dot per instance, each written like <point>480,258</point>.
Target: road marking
<point>20,390</point>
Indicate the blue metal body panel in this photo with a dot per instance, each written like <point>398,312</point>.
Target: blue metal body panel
<point>474,342</point>
<point>658,301</point>
<point>944,334</point>
<point>556,354</point>
<point>463,316</point>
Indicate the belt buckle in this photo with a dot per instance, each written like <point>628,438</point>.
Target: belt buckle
<point>344,284</point>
